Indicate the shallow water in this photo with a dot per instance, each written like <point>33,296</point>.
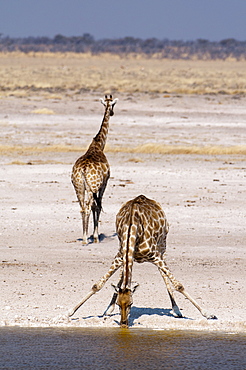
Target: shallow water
<point>66,348</point>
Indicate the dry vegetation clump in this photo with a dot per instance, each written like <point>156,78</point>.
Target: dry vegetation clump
<point>70,73</point>
<point>43,111</point>
<point>142,149</point>
<point>28,150</point>
<point>179,149</point>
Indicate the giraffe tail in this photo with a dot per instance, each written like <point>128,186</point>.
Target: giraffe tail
<point>98,201</point>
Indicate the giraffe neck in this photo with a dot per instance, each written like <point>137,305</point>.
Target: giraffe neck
<point>101,136</point>
<point>128,250</point>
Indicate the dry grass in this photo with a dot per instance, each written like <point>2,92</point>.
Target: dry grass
<point>27,150</point>
<point>144,149</point>
<point>49,74</point>
<point>179,149</point>
<point>43,111</point>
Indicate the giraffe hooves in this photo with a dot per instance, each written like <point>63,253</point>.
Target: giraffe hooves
<point>210,316</point>
<point>70,313</point>
<point>176,312</point>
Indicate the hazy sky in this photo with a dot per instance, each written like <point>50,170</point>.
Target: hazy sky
<point>173,19</point>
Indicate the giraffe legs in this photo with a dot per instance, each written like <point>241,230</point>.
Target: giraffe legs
<point>85,223</point>
<point>86,205</point>
<point>85,199</point>
<point>175,308</point>
<point>89,200</point>
<point>109,310</point>
<point>179,287</point>
<point>117,262</point>
<point>97,208</point>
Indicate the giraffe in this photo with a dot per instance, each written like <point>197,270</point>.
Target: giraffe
<point>91,172</point>
<point>142,229</point>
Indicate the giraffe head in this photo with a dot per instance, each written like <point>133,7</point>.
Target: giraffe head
<point>124,301</point>
<point>108,102</point>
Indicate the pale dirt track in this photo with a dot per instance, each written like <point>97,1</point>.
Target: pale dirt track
<point>44,268</point>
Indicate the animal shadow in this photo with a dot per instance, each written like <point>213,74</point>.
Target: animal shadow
<point>101,238</point>
<point>137,312</point>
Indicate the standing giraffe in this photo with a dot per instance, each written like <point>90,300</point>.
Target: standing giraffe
<point>142,229</point>
<point>91,172</point>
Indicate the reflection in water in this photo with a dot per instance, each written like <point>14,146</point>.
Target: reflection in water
<point>80,348</point>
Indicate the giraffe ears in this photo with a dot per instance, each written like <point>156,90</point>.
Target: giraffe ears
<point>114,102</point>
<point>103,102</point>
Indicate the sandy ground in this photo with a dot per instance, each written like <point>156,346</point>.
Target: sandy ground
<point>45,270</point>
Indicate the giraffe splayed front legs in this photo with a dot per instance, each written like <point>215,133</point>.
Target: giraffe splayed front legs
<point>142,229</point>
<point>91,172</point>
